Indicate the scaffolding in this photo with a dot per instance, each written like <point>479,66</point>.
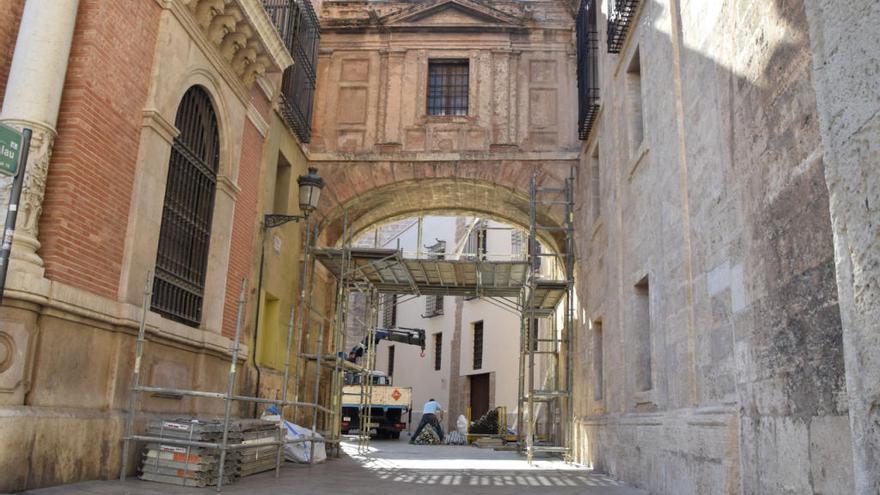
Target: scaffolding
<point>302,326</point>
<point>546,334</point>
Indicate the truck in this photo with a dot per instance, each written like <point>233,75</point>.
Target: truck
<point>390,405</point>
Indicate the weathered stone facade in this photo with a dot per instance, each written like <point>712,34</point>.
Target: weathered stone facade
<point>726,223</point>
<point>717,218</point>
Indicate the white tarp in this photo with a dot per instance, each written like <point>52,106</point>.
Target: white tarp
<point>299,451</point>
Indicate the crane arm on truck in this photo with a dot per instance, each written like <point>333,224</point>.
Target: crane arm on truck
<point>404,335</point>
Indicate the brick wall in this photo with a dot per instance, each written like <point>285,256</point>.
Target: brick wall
<point>88,191</point>
<point>241,249</point>
<point>10,17</point>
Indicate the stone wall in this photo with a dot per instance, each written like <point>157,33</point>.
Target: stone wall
<point>390,159</point>
<point>706,261</point>
<point>848,96</point>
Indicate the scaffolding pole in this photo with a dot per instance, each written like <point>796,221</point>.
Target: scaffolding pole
<point>554,398</point>
<point>229,396</point>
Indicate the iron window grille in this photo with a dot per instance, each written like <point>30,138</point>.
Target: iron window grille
<point>448,87</point>
<point>587,67</point>
<point>389,310</point>
<point>185,232</point>
<point>438,350</point>
<point>619,20</point>
<point>478,345</point>
<point>300,30</point>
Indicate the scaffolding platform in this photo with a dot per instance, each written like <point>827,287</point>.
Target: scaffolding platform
<point>389,272</point>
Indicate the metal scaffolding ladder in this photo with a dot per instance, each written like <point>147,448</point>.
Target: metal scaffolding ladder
<point>545,410</point>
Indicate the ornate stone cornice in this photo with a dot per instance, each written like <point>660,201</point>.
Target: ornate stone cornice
<point>239,31</point>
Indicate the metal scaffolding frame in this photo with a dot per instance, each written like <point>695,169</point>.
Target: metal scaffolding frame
<point>229,396</point>
<point>541,301</point>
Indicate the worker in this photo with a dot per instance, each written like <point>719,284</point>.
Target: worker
<point>429,416</point>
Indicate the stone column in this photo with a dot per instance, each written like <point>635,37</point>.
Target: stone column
<point>844,39</point>
<point>33,95</point>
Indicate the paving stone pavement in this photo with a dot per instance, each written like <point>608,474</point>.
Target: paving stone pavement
<point>394,467</point>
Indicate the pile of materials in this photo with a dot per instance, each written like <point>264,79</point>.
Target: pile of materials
<point>487,424</point>
<point>428,436</point>
<point>455,437</point>
<point>261,453</point>
<point>186,465</point>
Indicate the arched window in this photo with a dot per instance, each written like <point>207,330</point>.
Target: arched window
<point>182,259</point>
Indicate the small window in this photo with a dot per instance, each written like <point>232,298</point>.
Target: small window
<point>641,314</point>
<point>598,365</point>
<point>634,103</point>
<point>282,186</point>
<point>595,190</point>
<point>478,345</point>
<point>434,304</point>
<point>448,87</point>
<point>389,310</point>
<point>391,361</point>
<point>438,350</point>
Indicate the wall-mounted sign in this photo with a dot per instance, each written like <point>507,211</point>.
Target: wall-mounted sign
<point>10,150</point>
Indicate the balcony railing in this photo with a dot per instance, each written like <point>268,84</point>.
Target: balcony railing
<point>298,26</point>
<point>619,20</point>
<point>588,67</point>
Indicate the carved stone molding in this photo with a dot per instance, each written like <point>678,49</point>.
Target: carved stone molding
<point>243,35</point>
<point>30,206</point>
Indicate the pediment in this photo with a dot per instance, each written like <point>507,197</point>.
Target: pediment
<point>451,13</point>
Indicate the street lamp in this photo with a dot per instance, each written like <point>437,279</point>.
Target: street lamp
<point>310,186</point>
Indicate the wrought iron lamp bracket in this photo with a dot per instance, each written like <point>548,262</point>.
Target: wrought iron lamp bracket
<point>272,221</point>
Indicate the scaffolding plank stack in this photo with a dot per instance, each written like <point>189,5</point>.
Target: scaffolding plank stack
<point>189,465</point>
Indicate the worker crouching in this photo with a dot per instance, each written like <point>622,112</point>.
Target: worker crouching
<point>429,417</point>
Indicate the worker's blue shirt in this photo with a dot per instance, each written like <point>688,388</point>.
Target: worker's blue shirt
<point>431,407</point>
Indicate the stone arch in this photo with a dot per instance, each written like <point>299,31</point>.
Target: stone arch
<point>372,194</point>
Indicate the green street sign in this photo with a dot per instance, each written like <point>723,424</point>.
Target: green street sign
<point>10,150</point>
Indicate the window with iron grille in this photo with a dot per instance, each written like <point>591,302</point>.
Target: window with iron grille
<point>619,20</point>
<point>478,345</point>
<point>434,304</point>
<point>438,350</point>
<point>588,66</point>
<point>185,232</point>
<point>448,87</point>
<point>298,26</point>
<point>391,361</point>
<point>476,246</point>
<point>389,310</point>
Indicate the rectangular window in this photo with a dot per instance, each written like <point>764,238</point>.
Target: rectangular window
<point>478,345</point>
<point>448,87</point>
<point>434,304</point>
<point>391,361</point>
<point>594,184</point>
<point>598,363</point>
<point>438,350</point>
<point>634,103</point>
<point>282,186</point>
<point>389,310</point>
<point>642,318</point>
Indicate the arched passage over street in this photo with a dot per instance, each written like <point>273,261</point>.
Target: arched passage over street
<point>375,193</point>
